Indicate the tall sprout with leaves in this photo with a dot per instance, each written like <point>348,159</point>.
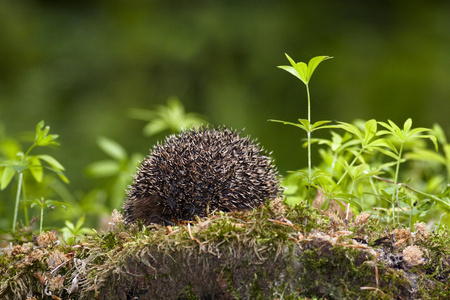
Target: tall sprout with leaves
<point>304,72</point>
<point>25,162</point>
<point>354,165</point>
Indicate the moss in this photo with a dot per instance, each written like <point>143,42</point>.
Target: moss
<point>242,255</point>
<point>329,271</point>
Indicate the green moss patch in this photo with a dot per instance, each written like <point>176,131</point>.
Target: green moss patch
<point>267,253</point>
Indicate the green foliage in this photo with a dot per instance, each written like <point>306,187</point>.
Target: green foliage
<point>24,162</point>
<point>362,166</point>
<point>304,72</point>
<point>42,203</point>
<point>72,231</point>
<point>118,169</point>
<point>171,117</point>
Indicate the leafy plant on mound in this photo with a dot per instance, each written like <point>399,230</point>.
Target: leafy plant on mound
<point>306,244</point>
<point>362,167</point>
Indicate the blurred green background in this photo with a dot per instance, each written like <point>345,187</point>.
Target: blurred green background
<point>83,65</point>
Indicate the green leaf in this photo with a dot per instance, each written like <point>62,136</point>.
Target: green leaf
<point>70,225</point>
<point>446,149</point>
<point>416,131</point>
<point>37,202</point>
<point>407,125</point>
<point>61,175</point>
<point>314,63</point>
<point>370,131</point>
<point>305,123</point>
<point>154,127</point>
<point>352,129</point>
<point>42,138</point>
<point>80,223</point>
<point>302,126</point>
<point>56,203</point>
<point>51,161</point>
<point>103,168</point>
<point>112,148</point>
<point>394,155</point>
<point>301,70</point>
<point>434,140</point>
<point>392,129</point>
<point>426,155</point>
<point>319,123</point>
<point>7,176</point>
<point>35,168</point>
<point>440,134</point>
<point>291,70</point>
<point>389,144</point>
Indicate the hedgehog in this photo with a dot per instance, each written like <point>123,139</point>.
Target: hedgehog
<point>199,171</point>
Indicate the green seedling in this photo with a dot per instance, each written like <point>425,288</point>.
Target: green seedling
<point>24,162</point>
<point>304,72</point>
<point>172,117</point>
<point>71,231</point>
<point>42,203</point>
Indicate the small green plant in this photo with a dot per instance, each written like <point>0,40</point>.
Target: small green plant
<point>72,231</point>
<point>25,162</point>
<point>172,118</point>
<point>119,168</point>
<point>402,136</point>
<point>304,72</point>
<point>354,165</point>
<point>42,203</point>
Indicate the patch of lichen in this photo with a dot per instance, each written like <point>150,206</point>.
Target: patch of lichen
<point>271,252</point>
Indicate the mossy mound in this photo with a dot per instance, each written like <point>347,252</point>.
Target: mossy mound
<point>273,252</point>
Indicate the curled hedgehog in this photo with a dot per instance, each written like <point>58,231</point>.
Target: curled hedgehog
<point>200,171</point>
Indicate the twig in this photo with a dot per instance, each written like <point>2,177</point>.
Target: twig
<point>283,223</point>
<point>188,228</point>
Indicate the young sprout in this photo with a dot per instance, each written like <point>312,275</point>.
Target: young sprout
<point>304,72</point>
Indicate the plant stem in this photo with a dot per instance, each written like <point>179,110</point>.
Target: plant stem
<point>309,103</point>
<point>395,196</point>
<point>351,165</point>
<point>42,219</point>
<point>19,188</point>
<point>309,138</point>
<point>25,207</point>
<point>398,163</point>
